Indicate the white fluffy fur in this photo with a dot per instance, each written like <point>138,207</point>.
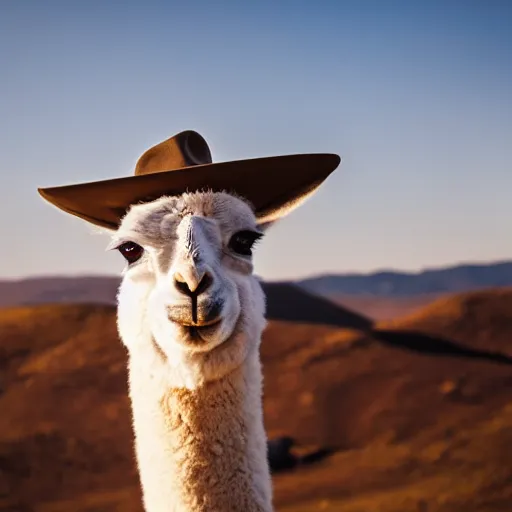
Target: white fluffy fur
<point>197,408</point>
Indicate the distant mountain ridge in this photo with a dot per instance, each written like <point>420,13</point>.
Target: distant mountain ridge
<point>95,289</point>
<point>395,284</point>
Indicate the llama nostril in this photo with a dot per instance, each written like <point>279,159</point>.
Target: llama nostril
<point>181,284</point>
<point>194,287</point>
<point>204,284</point>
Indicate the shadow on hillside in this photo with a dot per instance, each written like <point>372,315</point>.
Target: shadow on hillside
<point>426,344</point>
<point>290,303</point>
<point>281,458</point>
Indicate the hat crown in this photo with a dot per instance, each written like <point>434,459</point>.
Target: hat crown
<point>185,149</point>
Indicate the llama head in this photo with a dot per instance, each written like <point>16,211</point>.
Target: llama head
<point>189,285</point>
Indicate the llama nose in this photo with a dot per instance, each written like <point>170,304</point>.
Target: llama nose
<point>193,283</point>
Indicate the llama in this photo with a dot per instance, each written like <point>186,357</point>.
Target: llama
<point>191,313</point>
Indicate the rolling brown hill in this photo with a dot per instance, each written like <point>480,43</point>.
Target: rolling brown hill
<point>417,413</point>
<point>468,318</point>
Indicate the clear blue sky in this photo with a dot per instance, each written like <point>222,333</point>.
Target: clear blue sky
<point>415,96</point>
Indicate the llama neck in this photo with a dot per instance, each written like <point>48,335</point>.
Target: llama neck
<point>201,449</point>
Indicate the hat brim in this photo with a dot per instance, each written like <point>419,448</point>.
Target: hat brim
<point>272,185</point>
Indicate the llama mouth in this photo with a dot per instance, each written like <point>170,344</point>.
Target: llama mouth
<point>188,315</point>
<point>199,332</point>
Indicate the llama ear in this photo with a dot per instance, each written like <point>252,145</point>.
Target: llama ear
<point>271,215</point>
<point>103,230</point>
<point>263,225</point>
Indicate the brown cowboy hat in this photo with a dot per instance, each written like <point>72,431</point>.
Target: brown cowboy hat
<point>273,185</point>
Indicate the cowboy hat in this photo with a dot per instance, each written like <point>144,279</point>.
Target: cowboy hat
<point>273,185</point>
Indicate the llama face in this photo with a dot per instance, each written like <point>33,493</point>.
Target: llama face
<point>189,276</point>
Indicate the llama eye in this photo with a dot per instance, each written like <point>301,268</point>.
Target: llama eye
<point>243,241</point>
<point>131,251</point>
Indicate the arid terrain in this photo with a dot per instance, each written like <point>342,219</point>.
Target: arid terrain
<point>412,414</point>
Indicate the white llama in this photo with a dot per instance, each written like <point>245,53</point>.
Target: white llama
<point>191,313</point>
